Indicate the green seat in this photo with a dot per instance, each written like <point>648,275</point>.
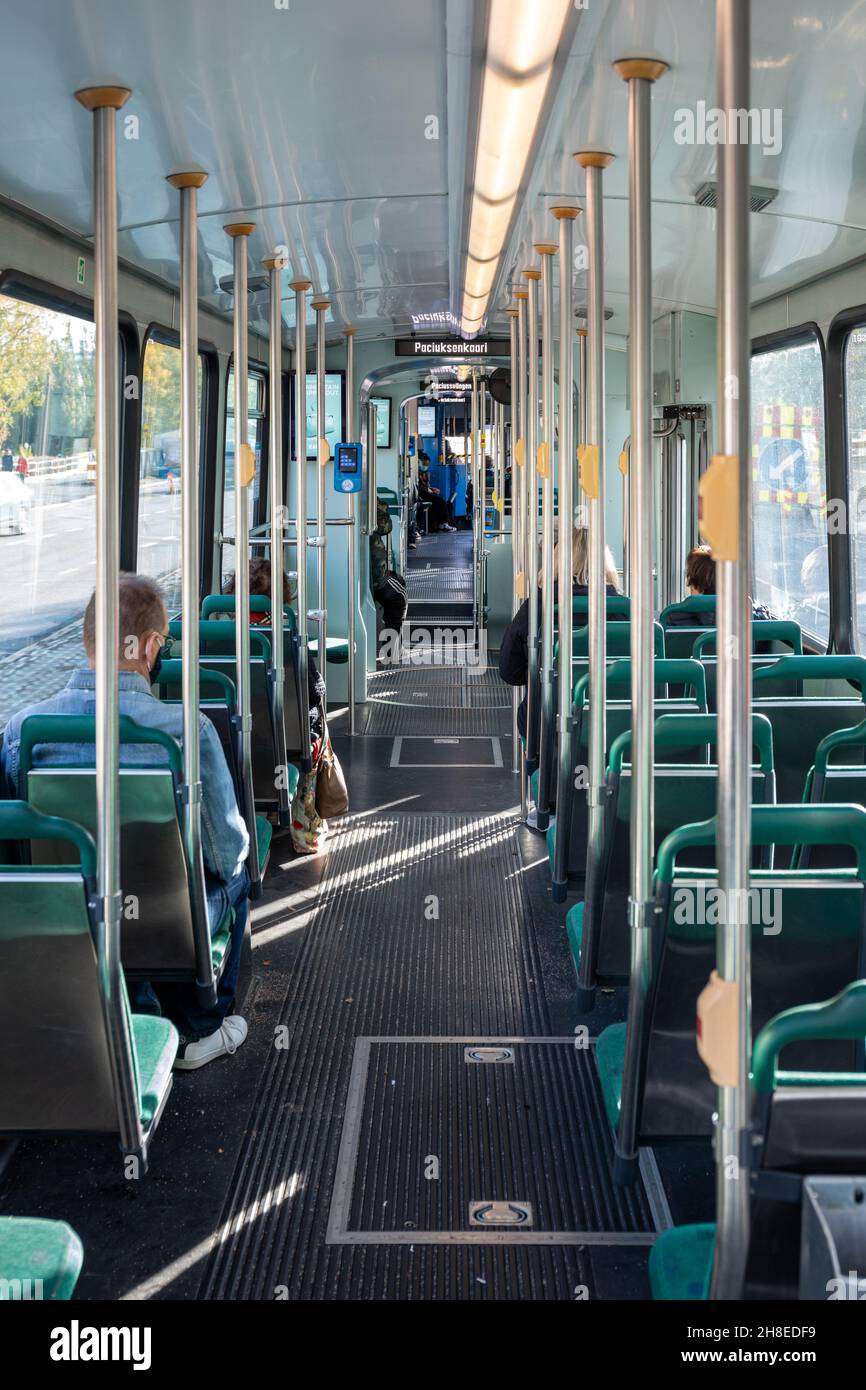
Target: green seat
<point>166,933</point>
<point>155,1048</point>
<point>826,781</point>
<point>801,722</point>
<point>568,863</point>
<point>763,630</point>
<point>72,1058</point>
<point>810,1123</point>
<point>681,1263</point>
<point>808,939</point>
<point>683,792</point>
<point>264,829</point>
<point>39,1259</point>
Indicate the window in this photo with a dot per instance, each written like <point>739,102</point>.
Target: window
<point>854,358</point>
<point>47,497</point>
<point>255,436</point>
<point>789,475</point>
<point>159,505</point>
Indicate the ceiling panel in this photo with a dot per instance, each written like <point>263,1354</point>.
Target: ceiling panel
<point>323,104</point>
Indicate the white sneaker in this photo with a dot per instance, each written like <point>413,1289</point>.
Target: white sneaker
<point>224,1042</point>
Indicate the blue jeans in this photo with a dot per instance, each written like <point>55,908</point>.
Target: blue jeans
<point>179,1002</point>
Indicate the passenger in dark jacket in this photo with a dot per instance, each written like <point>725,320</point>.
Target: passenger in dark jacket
<point>514,652</point>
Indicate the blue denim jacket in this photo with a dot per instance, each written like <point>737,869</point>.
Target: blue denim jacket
<point>225,841</point>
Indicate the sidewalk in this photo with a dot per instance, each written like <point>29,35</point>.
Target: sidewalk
<point>37,671</point>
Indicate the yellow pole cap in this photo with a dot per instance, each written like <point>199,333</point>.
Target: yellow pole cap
<point>193,178</point>
<point>594,159</point>
<point>98,98</point>
<point>649,68</point>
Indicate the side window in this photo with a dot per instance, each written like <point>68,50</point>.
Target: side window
<point>255,436</point>
<point>159,525</point>
<point>47,497</point>
<point>789,483</point>
<point>855,420</point>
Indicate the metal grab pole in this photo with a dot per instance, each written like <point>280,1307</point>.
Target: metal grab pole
<point>323,457</point>
<point>532,702</point>
<point>104,103</point>
<point>245,471</point>
<point>520,494</point>
<point>274,266</point>
<point>640,74</point>
<point>372,462</point>
<point>593,481</point>
<point>513,315</point>
<point>499,418</point>
<point>300,287</point>
<point>477,542</point>
<point>565,579</point>
<point>733,552</point>
<point>188,185</point>
<point>544,468</point>
<point>349,334</point>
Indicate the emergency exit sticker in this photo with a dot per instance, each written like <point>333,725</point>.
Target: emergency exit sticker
<point>82,265</point>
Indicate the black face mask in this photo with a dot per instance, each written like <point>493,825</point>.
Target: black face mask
<point>156,667</point>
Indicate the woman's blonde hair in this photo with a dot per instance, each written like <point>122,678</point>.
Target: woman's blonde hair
<point>580,560</point>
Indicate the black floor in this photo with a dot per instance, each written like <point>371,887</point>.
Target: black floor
<point>301,1168</point>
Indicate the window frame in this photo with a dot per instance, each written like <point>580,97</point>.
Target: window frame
<point>17,284</point>
<point>259,369</point>
<point>842,591</point>
<point>807,332</point>
<point>169,337</point>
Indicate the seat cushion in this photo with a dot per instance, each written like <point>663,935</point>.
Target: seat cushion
<point>610,1059</point>
<point>219,916</point>
<point>264,835</point>
<point>156,1042</point>
<point>33,1249</point>
<point>681,1262</point>
<point>574,932</point>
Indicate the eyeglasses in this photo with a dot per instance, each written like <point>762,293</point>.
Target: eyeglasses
<point>166,644</point>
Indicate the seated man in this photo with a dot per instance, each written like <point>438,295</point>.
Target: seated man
<point>143,627</point>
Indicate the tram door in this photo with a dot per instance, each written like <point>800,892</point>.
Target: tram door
<point>680,457</point>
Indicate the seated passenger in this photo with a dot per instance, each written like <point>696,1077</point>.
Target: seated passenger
<point>143,627</point>
<point>438,518</point>
<point>701,579</point>
<point>308,828</point>
<point>514,652</point>
<point>387,587</point>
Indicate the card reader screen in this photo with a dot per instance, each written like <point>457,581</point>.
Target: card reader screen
<point>347,461</point>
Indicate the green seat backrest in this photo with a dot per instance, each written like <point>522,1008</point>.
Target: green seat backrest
<point>55,1067</point>
<point>686,792</point>
<point>687,673</point>
<point>613,603</point>
<point>763,630</point>
<point>695,603</point>
<point>618,639</point>
<point>842,1017</point>
<point>157,922</point>
<point>217,635</point>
